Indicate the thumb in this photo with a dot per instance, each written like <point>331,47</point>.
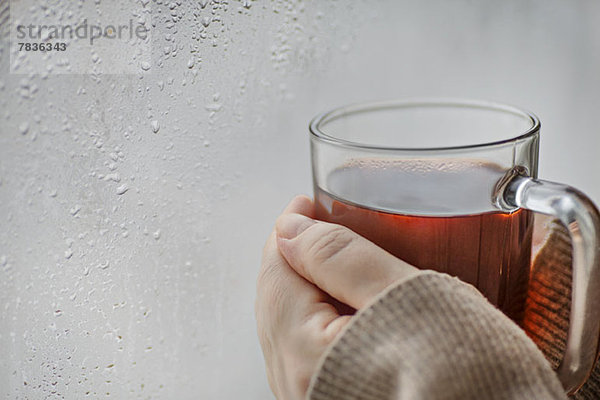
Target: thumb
<point>347,266</point>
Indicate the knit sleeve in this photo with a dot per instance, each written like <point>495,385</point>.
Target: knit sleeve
<point>432,337</point>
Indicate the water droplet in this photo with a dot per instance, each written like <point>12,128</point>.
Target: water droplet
<point>122,189</point>
<point>156,234</point>
<point>247,4</point>
<point>3,261</point>
<point>203,3</point>
<point>53,193</point>
<point>104,265</point>
<point>155,126</point>
<point>68,253</point>
<point>214,107</point>
<point>205,21</point>
<point>24,128</point>
<point>190,63</point>
<point>145,65</point>
<point>115,177</point>
<point>58,313</point>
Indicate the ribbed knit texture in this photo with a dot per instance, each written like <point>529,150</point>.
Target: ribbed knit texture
<point>433,337</point>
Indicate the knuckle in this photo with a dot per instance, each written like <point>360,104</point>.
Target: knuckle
<point>269,274</point>
<point>265,276</point>
<point>270,292</point>
<point>330,244</point>
<point>265,342</point>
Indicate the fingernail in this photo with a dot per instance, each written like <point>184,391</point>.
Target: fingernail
<point>289,226</point>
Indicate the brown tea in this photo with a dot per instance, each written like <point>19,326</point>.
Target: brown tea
<point>488,249</point>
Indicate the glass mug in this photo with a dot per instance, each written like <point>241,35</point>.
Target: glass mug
<point>451,185</point>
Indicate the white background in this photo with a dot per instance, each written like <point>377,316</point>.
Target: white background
<point>149,293</point>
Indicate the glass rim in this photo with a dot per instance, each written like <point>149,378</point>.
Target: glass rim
<point>339,112</point>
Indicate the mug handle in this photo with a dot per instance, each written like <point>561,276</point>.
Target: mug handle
<point>579,215</point>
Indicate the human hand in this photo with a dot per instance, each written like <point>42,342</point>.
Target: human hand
<point>310,270</point>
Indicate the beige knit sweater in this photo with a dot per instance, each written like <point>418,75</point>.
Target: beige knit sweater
<point>434,337</point>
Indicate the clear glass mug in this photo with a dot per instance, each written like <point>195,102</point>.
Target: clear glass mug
<point>451,185</point>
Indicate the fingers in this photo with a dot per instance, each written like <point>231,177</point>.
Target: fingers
<point>273,264</point>
<point>300,205</point>
<point>337,260</point>
<point>296,320</point>
<point>279,287</point>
